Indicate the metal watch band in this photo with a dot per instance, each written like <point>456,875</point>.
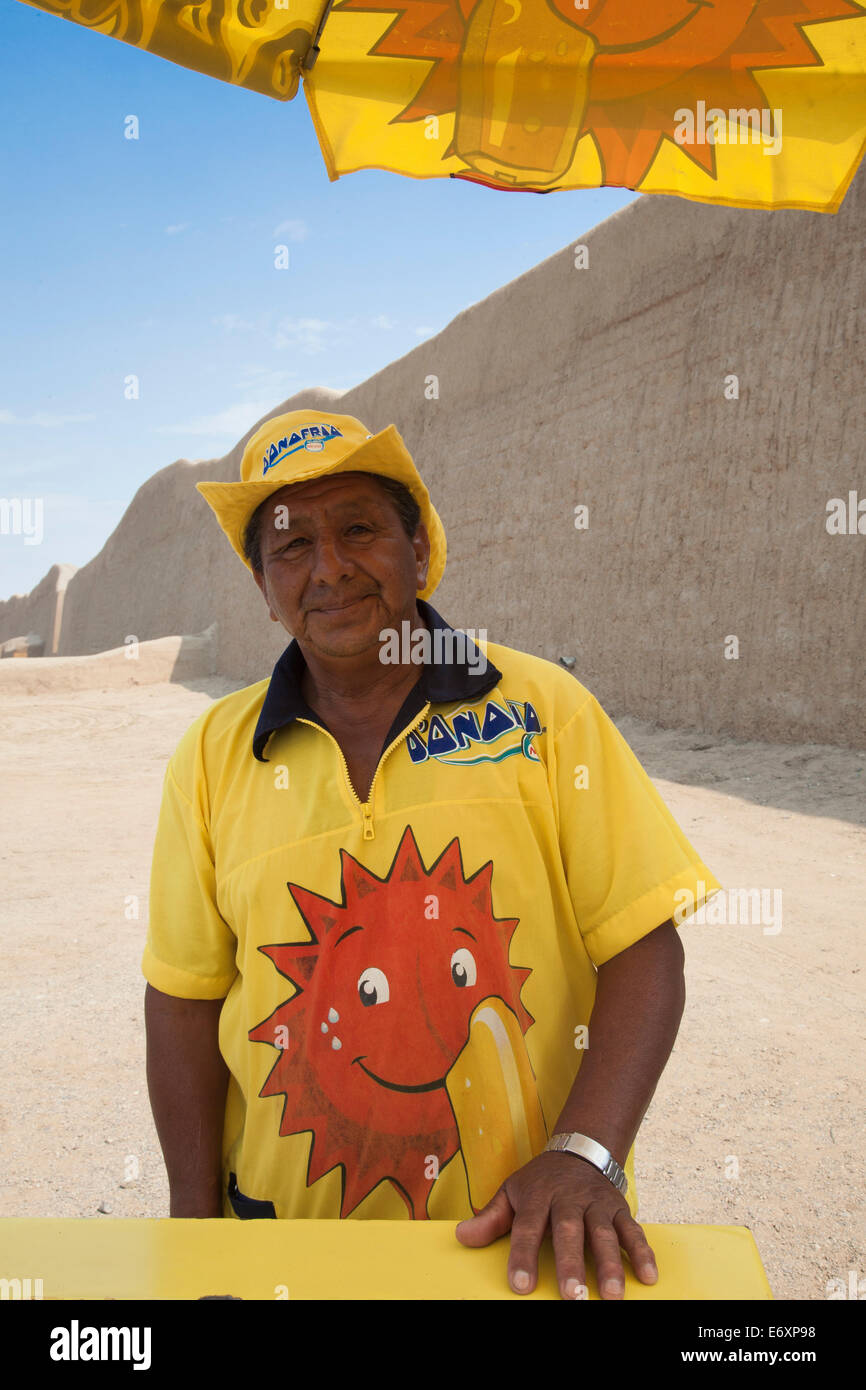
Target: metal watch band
<point>594,1152</point>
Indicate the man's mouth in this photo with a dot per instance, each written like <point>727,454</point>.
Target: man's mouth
<point>341,608</point>
<point>392,1085</point>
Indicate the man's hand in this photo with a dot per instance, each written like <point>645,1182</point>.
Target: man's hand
<point>638,1005</point>
<point>578,1204</point>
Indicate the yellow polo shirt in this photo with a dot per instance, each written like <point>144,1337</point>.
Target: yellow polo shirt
<point>408,981</point>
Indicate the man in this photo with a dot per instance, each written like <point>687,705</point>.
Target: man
<point>410,919</point>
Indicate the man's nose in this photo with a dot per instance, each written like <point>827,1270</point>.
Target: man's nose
<point>331,560</point>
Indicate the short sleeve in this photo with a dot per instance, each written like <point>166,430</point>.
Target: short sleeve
<point>190,950</point>
<point>628,864</point>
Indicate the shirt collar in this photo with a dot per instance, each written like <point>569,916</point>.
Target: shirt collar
<point>440,680</point>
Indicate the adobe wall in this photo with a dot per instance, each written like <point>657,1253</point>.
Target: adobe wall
<point>602,386</point>
<point>39,611</point>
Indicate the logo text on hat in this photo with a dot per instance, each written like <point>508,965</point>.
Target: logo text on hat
<point>311,437</point>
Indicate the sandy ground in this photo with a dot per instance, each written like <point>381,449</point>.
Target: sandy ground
<point>756,1121</point>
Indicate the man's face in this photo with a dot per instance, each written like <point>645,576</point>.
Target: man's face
<point>337,565</point>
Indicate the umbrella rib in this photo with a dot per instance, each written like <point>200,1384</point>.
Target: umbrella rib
<point>312,52</point>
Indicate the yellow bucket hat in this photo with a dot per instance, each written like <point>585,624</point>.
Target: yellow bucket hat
<point>305,444</point>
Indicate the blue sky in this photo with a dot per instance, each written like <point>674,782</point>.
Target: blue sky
<point>155,258</point>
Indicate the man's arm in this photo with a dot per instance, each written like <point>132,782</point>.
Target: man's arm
<point>639,1002</point>
<point>640,996</point>
<point>187,1080</point>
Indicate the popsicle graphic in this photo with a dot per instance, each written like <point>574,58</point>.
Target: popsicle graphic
<point>523,84</point>
<point>493,1095</point>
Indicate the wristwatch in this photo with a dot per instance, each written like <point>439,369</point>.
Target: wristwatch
<point>595,1153</point>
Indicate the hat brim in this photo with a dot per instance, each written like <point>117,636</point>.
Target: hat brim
<point>234,503</point>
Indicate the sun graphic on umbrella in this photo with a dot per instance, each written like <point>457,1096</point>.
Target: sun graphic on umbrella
<point>385,991</point>
<point>527,81</point>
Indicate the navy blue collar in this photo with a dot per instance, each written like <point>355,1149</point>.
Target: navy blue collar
<point>438,681</point>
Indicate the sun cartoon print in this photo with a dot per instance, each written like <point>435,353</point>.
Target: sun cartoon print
<point>528,79</point>
<point>385,990</point>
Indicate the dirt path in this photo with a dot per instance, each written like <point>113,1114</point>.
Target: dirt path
<point>757,1119</point>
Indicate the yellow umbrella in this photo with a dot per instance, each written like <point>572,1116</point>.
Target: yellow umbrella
<point>748,103</point>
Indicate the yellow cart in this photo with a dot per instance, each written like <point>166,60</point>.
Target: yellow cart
<point>172,1259</point>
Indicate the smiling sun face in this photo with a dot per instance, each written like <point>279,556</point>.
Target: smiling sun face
<point>385,989</point>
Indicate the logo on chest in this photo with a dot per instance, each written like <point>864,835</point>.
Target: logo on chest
<point>500,730</point>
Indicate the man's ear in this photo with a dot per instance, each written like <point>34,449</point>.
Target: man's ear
<point>421,543</point>
<point>260,581</point>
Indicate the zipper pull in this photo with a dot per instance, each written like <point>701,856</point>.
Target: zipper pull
<point>369,833</point>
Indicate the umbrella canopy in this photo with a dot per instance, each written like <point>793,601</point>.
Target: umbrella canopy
<point>748,103</point>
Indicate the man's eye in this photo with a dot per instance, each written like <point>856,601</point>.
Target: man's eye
<point>297,541</point>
